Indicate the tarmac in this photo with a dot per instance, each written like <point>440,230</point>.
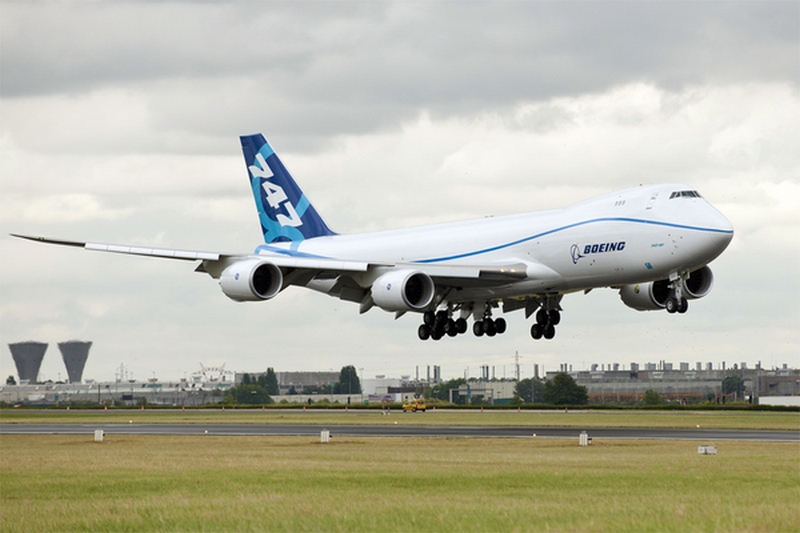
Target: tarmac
<point>392,430</point>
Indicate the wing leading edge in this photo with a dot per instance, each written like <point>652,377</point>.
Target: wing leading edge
<point>214,262</point>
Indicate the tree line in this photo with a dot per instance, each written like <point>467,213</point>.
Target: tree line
<point>561,390</point>
<point>258,390</point>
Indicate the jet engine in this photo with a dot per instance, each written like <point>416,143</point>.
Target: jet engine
<point>251,281</point>
<point>698,284</point>
<point>653,294</point>
<point>403,290</point>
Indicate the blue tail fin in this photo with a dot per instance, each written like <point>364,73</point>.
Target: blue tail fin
<point>285,213</point>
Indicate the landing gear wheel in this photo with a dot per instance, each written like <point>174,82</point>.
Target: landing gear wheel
<point>549,331</point>
<point>450,328</point>
<point>477,328</point>
<point>500,325</point>
<point>461,325</point>
<point>671,304</point>
<point>683,306</point>
<point>424,332</point>
<point>553,317</point>
<point>436,334</point>
<point>428,317</point>
<point>489,327</point>
<point>542,317</point>
<point>536,331</point>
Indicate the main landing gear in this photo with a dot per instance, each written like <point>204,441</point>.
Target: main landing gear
<point>489,327</point>
<point>436,325</point>
<point>546,322</point>
<point>675,305</point>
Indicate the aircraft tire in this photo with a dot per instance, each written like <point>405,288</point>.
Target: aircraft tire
<point>428,317</point>
<point>489,327</point>
<point>549,331</point>
<point>536,331</point>
<point>461,325</point>
<point>477,328</point>
<point>500,325</point>
<point>683,305</point>
<point>541,317</point>
<point>671,305</point>
<point>554,317</point>
<point>424,332</point>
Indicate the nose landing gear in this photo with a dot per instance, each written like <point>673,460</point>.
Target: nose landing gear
<point>676,303</point>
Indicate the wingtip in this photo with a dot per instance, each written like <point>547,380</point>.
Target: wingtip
<point>46,240</point>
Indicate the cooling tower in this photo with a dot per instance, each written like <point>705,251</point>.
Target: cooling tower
<point>28,358</point>
<point>75,354</point>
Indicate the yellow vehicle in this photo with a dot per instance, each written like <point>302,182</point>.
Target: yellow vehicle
<point>417,404</point>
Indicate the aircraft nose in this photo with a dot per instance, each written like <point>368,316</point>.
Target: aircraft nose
<point>721,230</point>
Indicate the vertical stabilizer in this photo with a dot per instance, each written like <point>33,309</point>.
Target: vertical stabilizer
<point>285,213</point>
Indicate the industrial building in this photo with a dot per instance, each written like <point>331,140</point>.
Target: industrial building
<point>296,381</point>
<point>607,383</point>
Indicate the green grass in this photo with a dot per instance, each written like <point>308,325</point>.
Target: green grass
<point>583,419</point>
<point>179,483</point>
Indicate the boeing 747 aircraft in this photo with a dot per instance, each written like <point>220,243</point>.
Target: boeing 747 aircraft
<point>651,243</point>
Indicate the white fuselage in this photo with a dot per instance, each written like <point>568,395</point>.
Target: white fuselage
<point>631,236</point>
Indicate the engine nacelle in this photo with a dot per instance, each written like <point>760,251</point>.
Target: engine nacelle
<point>251,281</point>
<point>646,296</point>
<point>699,283</point>
<point>653,294</point>
<point>403,290</point>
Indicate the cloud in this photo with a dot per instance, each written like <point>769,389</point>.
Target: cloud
<point>120,122</point>
<point>318,69</point>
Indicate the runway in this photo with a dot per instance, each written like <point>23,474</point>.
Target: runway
<point>392,430</point>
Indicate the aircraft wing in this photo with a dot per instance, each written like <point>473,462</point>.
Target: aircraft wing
<point>208,257</point>
<point>301,270</point>
<point>186,255</point>
<point>446,274</point>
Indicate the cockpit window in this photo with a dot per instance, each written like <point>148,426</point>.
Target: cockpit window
<point>685,194</point>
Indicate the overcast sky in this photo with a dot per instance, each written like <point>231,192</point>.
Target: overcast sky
<point>119,122</point>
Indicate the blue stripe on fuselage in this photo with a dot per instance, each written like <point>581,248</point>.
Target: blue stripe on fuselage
<point>294,253</point>
<point>570,226</point>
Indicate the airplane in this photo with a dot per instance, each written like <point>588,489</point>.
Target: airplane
<point>651,243</point>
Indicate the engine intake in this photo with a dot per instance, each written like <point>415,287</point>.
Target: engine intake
<point>252,280</point>
<point>403,290</point>
<point>699,283</point>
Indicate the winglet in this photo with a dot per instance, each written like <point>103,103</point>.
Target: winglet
<point>48,240</point>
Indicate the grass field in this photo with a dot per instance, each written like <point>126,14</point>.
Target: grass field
<point>583,419</point>
<point>179,483</point>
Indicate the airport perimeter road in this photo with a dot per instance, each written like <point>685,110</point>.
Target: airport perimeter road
<point>400,431</point>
